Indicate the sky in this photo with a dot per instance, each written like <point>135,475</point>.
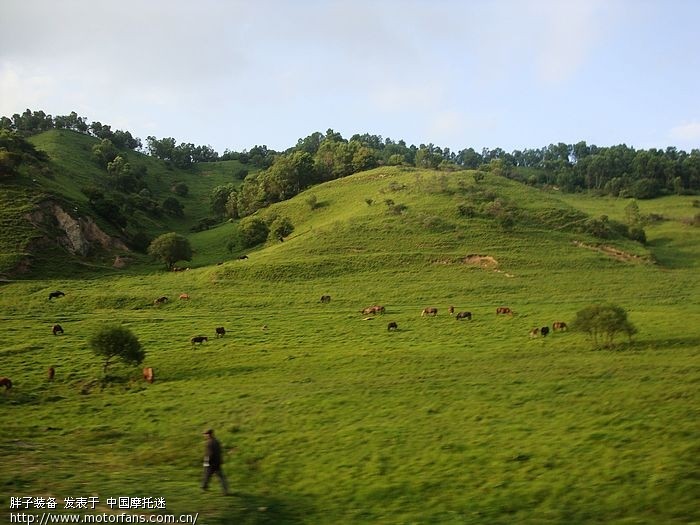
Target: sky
<point>233,74</point>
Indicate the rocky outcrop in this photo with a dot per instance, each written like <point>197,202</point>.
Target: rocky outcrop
<point>80,236</point>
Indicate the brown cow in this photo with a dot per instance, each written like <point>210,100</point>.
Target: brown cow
<point>199,339</point>
<point>451,310</point>
<point>149,375</point>
<point>5,381</point>
<point>432,311</point>
<point>160,300</point>
<point>464,315</point>
<point>392,326</point>
<point>376,309</point>
<point>184,296</point>
<point>57,329</point>
<point>534,332</point>
<point>220,331</point>
<point>559,325</point>
<point>325,298</point>
<point>51,373</point>
<point>504,310</point>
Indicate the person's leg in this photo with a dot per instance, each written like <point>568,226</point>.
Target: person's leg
<point>222,477</point>
<point>205,478</point>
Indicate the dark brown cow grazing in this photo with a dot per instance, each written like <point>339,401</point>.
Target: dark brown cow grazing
<point>199,339</point>
<point>559,325</point>
<point>451,309</point>
<point>325,298</point>
<point>5,381</point>
<point>57,329</point>
<point>392,326</point>
<point>432,311</point>
<point>504,310</point>
<point>464,315</point>
<point>51,373</point>
<point>149,375</point>
<point>56,294</point>
<point>544,331</point>
<point>534,332</point>
<point>220,331</point>
<point>161,300</point>
<point>243,257</point>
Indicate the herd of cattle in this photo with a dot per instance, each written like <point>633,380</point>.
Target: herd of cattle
<point>431,311</point>
<point>220,331</point>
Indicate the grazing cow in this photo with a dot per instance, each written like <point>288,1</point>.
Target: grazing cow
<point>451,309</point>
<point>57,329</point>
<point>544,331</point>
<point>160,300</point>
<point>5,381</point>
<point>504,310</point>
<point>534,332</point>
<point>464,315</point>
<point>376,309</point>
<point>149,375</point>
<point>220,331</point>
<point>184,296</point>
<point>241,257</point>
<point>392,326</point>
<point>199,339</point>
<point>56,294</point>
<point>431,311</point>
<point>51,373</point>
<point>325,298</point>
<point>559,325</point>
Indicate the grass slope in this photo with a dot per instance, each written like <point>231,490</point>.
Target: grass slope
<point>327,418</point>
<point>72,168</point>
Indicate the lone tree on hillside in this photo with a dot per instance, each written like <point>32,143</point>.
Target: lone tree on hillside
<point>603,322</point>
<point>113,341</point>
<point>170,248</point>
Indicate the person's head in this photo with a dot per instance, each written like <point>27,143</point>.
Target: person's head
<point>209,433</point>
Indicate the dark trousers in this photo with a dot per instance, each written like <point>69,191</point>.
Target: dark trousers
<point>209,472</point>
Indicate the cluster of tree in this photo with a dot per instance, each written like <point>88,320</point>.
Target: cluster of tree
<point>32,122</point>
<point>15,151</point>
<point>616,170</point>
<point>183,156</point>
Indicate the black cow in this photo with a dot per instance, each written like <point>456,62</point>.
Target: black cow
<point>392,326</point>
<point>199,339</point>
<point>325,298</point>
<point>56,294</point>
<point>220,331</point>
<point>544,331</point>
<point>464,315</point>
<point>57,329</point>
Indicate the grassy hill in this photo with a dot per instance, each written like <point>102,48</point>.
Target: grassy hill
<point>326,417</point>
<point>71,168</point>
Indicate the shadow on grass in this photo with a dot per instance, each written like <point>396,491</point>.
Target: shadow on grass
<point>245,508</point>
<point>669,255</point>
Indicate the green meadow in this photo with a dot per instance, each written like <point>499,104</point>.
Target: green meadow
<point>327,417</point>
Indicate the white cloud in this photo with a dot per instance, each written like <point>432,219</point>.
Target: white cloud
<point>23,89</point>
<point>688,133</point>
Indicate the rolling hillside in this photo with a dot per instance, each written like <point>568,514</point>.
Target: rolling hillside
<point>71,168</point>
<point>325,415</point>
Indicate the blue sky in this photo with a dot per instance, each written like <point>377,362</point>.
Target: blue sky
<point>232,74</point>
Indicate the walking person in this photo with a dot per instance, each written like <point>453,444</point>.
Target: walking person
<point>213,461</point>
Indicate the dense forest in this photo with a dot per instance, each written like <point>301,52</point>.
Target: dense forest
<point>616,170</point>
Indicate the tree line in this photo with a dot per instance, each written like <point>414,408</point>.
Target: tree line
<point>616,170</point>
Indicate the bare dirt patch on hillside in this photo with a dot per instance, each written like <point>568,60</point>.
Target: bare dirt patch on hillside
<point>613,252</point>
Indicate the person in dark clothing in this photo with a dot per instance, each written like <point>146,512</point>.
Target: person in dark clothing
<point>213,461</point>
